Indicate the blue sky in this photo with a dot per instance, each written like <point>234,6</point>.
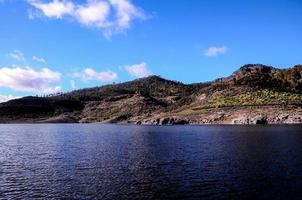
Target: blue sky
<point>60,45</point>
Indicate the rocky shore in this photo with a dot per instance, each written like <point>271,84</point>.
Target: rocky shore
<point>260,119</point>
<point>271,115</point>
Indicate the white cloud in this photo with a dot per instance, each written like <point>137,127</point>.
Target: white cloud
<point>138,70</point>
<point>28,80</point>
<point>4,98</point>
<point>39,59</point>
<point>94,13</point>
<point>125,12</point>
<point>105,76</point>
<point>89,74</point>
<point>17,55</point>
<point>110,16</point>
<point>54,9</point>
<point>215,51</point>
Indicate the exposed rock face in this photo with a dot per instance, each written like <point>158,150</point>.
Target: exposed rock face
<point>241,120</point>
<point>280,119</point>
<point>259,120</point>
<point>163,121</point>
<point>226,118</point>
<point>296,119</point>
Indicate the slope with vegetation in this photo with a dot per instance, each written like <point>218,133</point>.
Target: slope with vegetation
<point>252,94</point>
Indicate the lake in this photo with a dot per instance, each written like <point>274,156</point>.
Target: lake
<point>94,161</point>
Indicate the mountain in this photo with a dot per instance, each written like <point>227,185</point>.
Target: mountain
<point>254,94</point>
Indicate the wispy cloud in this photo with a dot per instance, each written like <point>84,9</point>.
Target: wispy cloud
<point>138,70</point>
<point>54,9</point>
<point>73,84</point>
<point>215,51</point>
<point>39,59</point>
<point>29,80</point>
<point>106,76</point>
<point>89,74</point>
<point>17,55</point>
<point>110,16</point>
<point>4,98</point>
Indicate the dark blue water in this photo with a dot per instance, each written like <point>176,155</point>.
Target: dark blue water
<point>146,162</point>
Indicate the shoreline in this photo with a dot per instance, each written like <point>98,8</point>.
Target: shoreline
<point>215,116</point>
<point>134,124</point>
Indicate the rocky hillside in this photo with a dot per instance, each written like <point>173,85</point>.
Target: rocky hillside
<point>254,94</point>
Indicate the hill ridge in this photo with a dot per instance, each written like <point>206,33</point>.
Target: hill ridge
<point>149,99</point>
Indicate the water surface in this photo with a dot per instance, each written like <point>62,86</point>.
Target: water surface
<point>93,161</point>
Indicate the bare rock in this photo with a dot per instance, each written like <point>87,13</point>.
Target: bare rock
<point>260,119</point>
<point>294,119</point>
<point>283,117</point>
<point>241,120</point>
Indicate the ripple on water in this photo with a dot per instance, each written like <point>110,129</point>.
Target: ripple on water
<point>147,162</point>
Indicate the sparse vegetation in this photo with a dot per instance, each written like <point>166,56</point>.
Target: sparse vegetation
<point>251,85</point>
<point>260,97</point>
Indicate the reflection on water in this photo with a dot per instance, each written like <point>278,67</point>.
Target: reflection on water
<point>148,162</point>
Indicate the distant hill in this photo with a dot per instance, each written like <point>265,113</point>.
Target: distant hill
<point>252,94</point>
